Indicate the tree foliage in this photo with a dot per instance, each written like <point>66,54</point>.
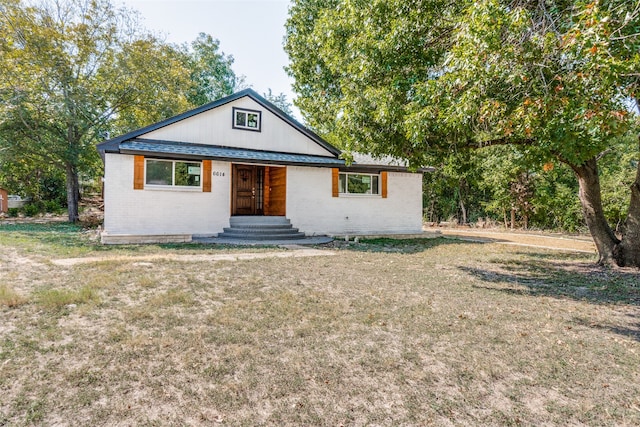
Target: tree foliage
<point>211,72</point>
<point>397,77</point>
<point>498,180</point>
<point>73,72</point>
<point>39,181</point>
<point>279,101</point>
<point>69,68</point>
<point>420,78</point>
<point>491,173</point>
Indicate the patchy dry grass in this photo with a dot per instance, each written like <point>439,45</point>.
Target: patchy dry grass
<point>58,299</point>
<point>413,332</point>
<point>9,297</point>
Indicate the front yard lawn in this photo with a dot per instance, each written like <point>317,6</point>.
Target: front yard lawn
<point>382,332</point>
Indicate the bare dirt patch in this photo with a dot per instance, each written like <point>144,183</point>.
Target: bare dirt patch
<point>139,260</point>
<point>537,240</point>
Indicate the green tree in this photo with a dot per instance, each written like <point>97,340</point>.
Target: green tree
<point>453,188</point>
<point>555,205</point>
<point>211,71</point>
<point>39,182</point>
<point>618,166</point>
<point>72,71</point>
<point>279,101</point>
<point>416,78</point>
<point>511,179</point>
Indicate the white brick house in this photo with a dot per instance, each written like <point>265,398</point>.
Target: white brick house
<point>242,156</point>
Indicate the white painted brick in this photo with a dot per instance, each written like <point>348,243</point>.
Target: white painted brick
<point>310,205</point>
<point>151,211</point>
<point>312,209</point>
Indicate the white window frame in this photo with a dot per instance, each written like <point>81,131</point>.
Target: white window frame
<point>346,184</point>
<point>246,112</point>
<point>173,175</point>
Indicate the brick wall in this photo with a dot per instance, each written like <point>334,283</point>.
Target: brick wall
<point>154,211</point>
<point>309,205</point>
<point>312,209</point>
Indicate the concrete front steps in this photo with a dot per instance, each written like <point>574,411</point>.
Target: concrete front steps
<point>260,228</point>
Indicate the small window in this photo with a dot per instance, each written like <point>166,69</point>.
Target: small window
<point>357,183</point>
<point>247,119</point>
<point>159,172</point>
<point>173,173</point>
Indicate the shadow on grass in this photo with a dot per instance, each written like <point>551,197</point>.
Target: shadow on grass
<point>631,330</point>
<point>53,233</point>
<point>402,246</point>
<point>64,234</point>
<point>30,227</point>
<point>56,235</point>
<point>574,276</point>
<point>566,276</point>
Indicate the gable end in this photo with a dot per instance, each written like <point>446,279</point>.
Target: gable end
<point>113,145</point>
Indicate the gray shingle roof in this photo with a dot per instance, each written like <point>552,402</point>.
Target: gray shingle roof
<point>199,151</point>
<point>367,159</point>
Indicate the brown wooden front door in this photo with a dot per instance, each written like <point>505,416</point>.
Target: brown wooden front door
<point>244,190</point>
<point>259,190</point>
<point>275,192</point>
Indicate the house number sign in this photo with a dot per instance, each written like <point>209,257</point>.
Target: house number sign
<point>218,173</point>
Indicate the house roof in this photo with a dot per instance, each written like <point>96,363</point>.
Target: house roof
<point>368,159</point>
<point>386,162</point>
<point>201,151</point>
<point>112,145</point>
<point>134,143</point>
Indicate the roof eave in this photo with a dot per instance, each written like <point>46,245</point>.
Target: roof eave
<point>184,156</point>
<point>343,167</point>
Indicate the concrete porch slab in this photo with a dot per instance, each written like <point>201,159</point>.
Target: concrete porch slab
<point>315,240</point>
<point>134,239</point>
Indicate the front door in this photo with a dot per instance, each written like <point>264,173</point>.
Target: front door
<point>244,190</point>
<point>275,191</point>
<point>259,190</point>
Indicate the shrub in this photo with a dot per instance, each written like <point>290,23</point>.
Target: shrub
<point>13,212</point>
<point>32,209</point>
<point>53,206</point>
<point>91,220</point>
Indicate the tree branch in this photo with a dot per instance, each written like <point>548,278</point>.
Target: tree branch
<point>604,153</point>
<point>500,141</point>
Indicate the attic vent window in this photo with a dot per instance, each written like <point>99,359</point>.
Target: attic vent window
<point>247,119</point>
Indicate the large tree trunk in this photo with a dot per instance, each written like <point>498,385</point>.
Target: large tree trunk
<point>590,198</point>
<point>463,210</point>
<point>627,253</point>
<point>513,217</point>
<point>73,193</point>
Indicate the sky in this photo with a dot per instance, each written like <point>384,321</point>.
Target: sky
<point>251,31</point>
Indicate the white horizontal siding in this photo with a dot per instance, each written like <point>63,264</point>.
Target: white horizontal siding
<point>214,127</point>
